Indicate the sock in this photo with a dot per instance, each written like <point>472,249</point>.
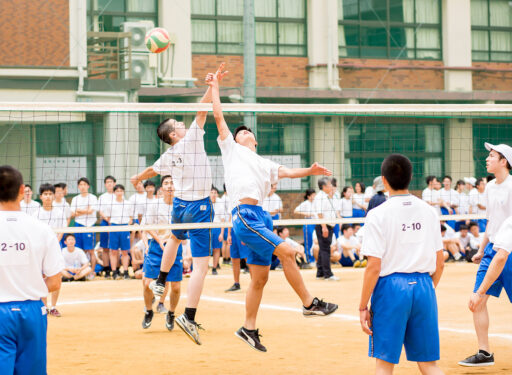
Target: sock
<point>162,277</point>
<point>249,330</point>
<point>149,312</point>
<point>484,353</point>
<point>171,313</point>
<point>190,313</point>
<point>312,304</point>
<point>457,256</point>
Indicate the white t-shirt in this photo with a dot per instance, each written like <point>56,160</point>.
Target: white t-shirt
<point>247,174</point>
<point>272,203</point>
<point>463,240</point>
<point>359,199</point>
<point>74,259</point>
<point>121,212</point>
<point>346,207</point>
<point>499,205</point>
<point>83,203</point>
<point>474,242</point>
<point>431,196</point>
<point>503,237</point>
<point>227,206</point>
<point>352,241</point>
<point>473,200</point>
<point>481,201</point>
<point>64,206</point>
<point>463,203</point>
<point>404,232</point>
<point>219,208</point>
<point>188,165</point>
<point>150,202</point>
<point>139,202</point>
<point>31,208</point>
<point>326,206</point>
<point>105,203</point>
<point>306,207</point>
<point>159,213</point>
<point>55,218</point>
<point>28,249</point>
<point>369,193</point>
<point>449,197</point>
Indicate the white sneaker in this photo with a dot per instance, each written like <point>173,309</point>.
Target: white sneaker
<point>332,278</point>
<point>158,290</point>
<point>161,309</point>
<point>190,328</point>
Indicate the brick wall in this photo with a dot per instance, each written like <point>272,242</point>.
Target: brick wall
<point>403,79</point>
<point>495,81</point>
<point>271,71</point>
<point>34,33</point>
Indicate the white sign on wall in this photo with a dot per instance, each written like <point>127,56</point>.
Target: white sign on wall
<point>54,170</point>
<point>100,174</point>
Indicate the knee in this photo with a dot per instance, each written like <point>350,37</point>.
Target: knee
<point>175,288</point>
<point>259,283</point>
<point>288,256</point>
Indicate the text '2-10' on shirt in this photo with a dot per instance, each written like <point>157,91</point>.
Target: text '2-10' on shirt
<point>28,249</point>
<point>247,174</point>
<point>404,233</point>
<point>188,165</point>
<point>499,205</point>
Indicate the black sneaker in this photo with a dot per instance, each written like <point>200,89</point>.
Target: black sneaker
<point>108,275</point>
<point>251,338</point>
<point>169,321</point>
<point>126,275</point>
<point>234,288</point>
<point>148,317</point>
<point>319,308</point>
<point>478,360</point>
<point>214,271</point>
<point>115,275</point>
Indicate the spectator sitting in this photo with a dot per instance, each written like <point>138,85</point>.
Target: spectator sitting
<point>137,258</point>
<point>77,266</point>
<point>475,240</point>
<point>463,236</point>
<point>450,244</point>
<point>380,196</point>
<point>300,255</point>
<point>349,247</point>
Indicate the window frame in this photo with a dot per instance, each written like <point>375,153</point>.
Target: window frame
<point>91,13</point>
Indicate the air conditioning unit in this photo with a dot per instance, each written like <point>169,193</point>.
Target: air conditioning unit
<point>144,66</point>
<point>138,30</point>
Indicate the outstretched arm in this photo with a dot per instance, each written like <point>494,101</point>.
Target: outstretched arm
<point>144,175</point>
<point>315,170</point>
<point>213,81</point>
<point>207,98</point>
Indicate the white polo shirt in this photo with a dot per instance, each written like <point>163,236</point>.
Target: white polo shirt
<point>404,233</point>
<point>121,212</point>
<point>504,236</point>
<point>28,249</point>
<point>499,205</point>
<point>55,218</point>
<point>431,196</point>
<point>75,258</point>
<point>272,203</point>
<point>326,206</point>
<point>306,207</point>
<point>30,208</point>
<point>82,203</point>
<point>188,165</point>
<point>247,174</point>
<point>105,203</point>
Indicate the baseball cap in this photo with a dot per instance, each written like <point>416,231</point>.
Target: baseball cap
<point>379,185</point>
<point>470,180</point>
<point>503,149</point>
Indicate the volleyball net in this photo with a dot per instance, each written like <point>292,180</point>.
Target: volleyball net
<point>62,142</point>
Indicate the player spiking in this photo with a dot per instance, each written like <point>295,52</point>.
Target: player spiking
<point>248,179</point>
<point>187,163</point>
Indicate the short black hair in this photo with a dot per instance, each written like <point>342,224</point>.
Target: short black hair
<point>429,179</point>
<point>501,156</point>
<point>69,235</point>
<point>309,193</point>
<point>119,186</point>
<point>46,187</point>
<point>10,183</point>
<point>397,169</point>
<point>109,178</point>
<point>490,177</point>
<point>460,182</point>
<point>463,226</point>
<point>443,228</point>
<point>60,185</point>
<point>363,187</point>
<point>334,182</point>
<point>163,130</point>
<point>472,224</point>
<point>479,181</point>
<point>344,227</point>
<point>280,230</point>
<point>83,179</point>
<point>149,183</point>
<point>29,186</point>
<point>448,177</point>
<point>323,181</point>
<point>241,128</point>
<point>214,188</point>
<point>165,178</point>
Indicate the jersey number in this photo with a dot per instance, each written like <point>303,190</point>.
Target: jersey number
<point>19,246</point>
<point>413,226</point>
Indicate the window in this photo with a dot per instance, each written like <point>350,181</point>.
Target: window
<point>108,15</point>
<point>217,27</point>
<point>491,30</point>
<point>368,142</point>
<point>494,132</point>
<point>390,29</point>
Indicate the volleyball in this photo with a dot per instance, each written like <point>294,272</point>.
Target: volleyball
<point>157,40</point>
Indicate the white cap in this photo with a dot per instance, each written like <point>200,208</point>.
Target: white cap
<point>470,180</point>
<point>503,149</point>
<point>379,185</point>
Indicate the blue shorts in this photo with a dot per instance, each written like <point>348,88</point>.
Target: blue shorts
<point>104,235</point>
<point>200,211</point>
<point>216,244</point>
<point>152,260</point>
<point>85,241</point>
<point>346,261</point>
<point>336,230</point>
<point>253,226</point>
<point>237,250</point>
<point>504,280</point>
<point>404,312</point>
<point>119,240</point>
<point>23,338</point>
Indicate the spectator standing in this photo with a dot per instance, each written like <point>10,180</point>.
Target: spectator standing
<point>431,195</point>
<point>448,198</point>
<point>346,202</point>
<point>380,196</point>
<point>481,203</point>
<point>358,201</point>
<point>306,210</point>
<point>273,203</point>
<point>105,202</point>
<point>29,206</point>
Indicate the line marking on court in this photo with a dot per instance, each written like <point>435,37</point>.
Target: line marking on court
<point>351,318</point>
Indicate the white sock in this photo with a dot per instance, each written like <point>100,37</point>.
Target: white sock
<point>457,256</point>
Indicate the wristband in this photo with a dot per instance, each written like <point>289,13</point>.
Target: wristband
<point>365,309</point>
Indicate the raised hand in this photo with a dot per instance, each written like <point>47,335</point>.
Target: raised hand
<point>317,170</point>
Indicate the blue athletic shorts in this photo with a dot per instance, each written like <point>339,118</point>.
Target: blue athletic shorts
<point>404,312</point>
<point>253,226</point>
<point>346,261</point>
<point>336,230</point>
<point>85,241</point>
<point>237,250</point>
<point>119,240</point>
<point>23,338</point>
<point>104,235</point>
<point>151,266</point>
<point>216,244</point>
<point>504,280</point>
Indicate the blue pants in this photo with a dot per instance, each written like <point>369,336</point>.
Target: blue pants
<point>200,211</point>
<point>84,241</point>
<point>104,235</point>
<point>404,312</point>
<point>23,338</point>
<point>307,231</point>
<point>504,280</point>
<point>151,267</point>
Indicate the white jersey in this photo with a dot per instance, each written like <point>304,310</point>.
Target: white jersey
<point>328,207</point>
<point>473,200</point>
<point>75,258</point>
<point>138,202</point>
<point>352,241</point>
<point>28,249</point>
<point>64,206</point>
<point>30,208</point>
<point>345,207</point>
<point>404,233</point>
<point>463,203</point>
<point>55,218</point>
<point>121,212</point>
<point>273,203</point>
<point>105,203</point>
<point>158,213</point>
<point>359,201</point>
<point>504,236</point>
<point>83,203</point>
<point>449,197</point>
<point>247,174</point>
<point>306,207</point>
<point>432,196</point>
<point>499,205</point>
<point>188,165</point>
<point>219,209</point>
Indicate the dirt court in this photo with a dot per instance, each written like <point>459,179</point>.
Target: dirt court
<point>100,331</point>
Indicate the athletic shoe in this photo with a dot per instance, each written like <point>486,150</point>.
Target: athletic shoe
<point>332,278</point>
<point>158,289</point>
<point>54,312</point>
<point>234,288</point>
<point>364,263</point>
<point>169,321</point>
<point>478,360</point>
<point>306,266</point>
<point>91,276</point>
<point>148,317</point>
<point>108,275</point>
<point>214,271</point>
<point>191,328</point>
<point>251,338</point>
<point>226,262</point>
<point>319,308</point>
<point>319,277</point>
<point>161,309</point>
<point>357,264</point>
<point>126,275</point>
<point>115,274</point>
<point>246,269</point>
